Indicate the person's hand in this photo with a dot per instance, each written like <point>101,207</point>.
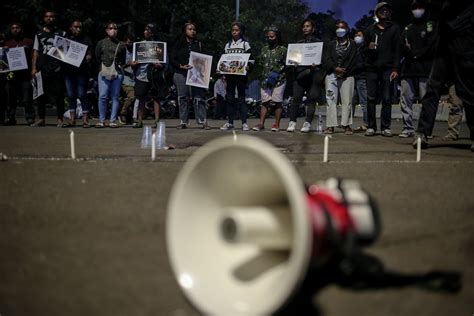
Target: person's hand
<point>33,72</point>
<point>314,66</point>
<point>185,67</point>
<point>393,75</point>
<point>372,45</point>
<point>158,65</point>
<point>340,72</point>
<point>133,63</point>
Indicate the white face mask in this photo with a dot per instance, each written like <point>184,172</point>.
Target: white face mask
<point>359,39</point>
<point>340,32</point>
<point>112,33</point>
<point>418,13</point>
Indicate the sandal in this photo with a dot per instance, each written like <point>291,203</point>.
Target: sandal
<point>348,130</point>
<point>86,125</point>
<point>329,130</point>
<point>100,125</point>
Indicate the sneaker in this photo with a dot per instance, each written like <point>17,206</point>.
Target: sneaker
<point>387,133</point>
<point>137,124</point>
<point>424,141</point>
<point>406,134</point>
<point>10,122</point>
<point>306,127</point>
<point>113,124</point>
<point>291,127</point>
<point>275,127</point>
<point>182,126</point>
<point>258,127</point>
<point>245,127</point>
<point>122,120</point>
<point>39,123</point>
<point>429,137</point>
<point>369,132</point>
<point>99,125</point>
<point>227,127</point>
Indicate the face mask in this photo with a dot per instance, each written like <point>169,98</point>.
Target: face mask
<point>418,13</point>
<point>359,39</point>
<point>112,33</point>
<point>271,41</point>
<point>341,32</point>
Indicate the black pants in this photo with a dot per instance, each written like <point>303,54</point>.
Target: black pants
<point>54,90</point>
<point>450,64</point>
<point>310,84</point>
<point>234,104</point>
<point>20,94</point>
<point>220,109</point>
<point>379,81</point>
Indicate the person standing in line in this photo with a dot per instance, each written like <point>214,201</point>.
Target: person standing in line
<point>360,80</point>
<point>110,55</point>
<point>340,65</point>
<point>147,77</point>
<point>272,77</point>
<point>453,63</point>
<point>454,115</point>
<point>309,80</point>
<point>237,45</point>
<point>182,49</point>
<point>19,84</point>
<point>382,62</point>
<point>50,68</point>
<point>418,42</point>
<point>128,83</point>
<point>77,78</point>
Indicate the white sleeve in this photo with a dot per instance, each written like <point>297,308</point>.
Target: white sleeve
<point>36,43</point>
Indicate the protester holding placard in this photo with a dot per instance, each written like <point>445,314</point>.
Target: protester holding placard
<point>50,68</point>
<point>309,80</point>
<point>237,45</point>
<point>18,84</point>
<point>110,55</point>
<point>77,78</point>
<point>147,80</point>
<point>182,49</point>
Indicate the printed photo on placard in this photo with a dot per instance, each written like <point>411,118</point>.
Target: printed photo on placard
<point>149,52</point>
<point>200,73</point>
<point>233,64</point>
<point>304,54</point>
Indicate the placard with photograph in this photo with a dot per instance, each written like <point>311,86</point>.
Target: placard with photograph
<point>233,64</point>
<point>12,59</point>
<point>200,74</point>
<point>37,83</point>
<point>304,54</point>
<point>68,51</point>
<point>149,52</point>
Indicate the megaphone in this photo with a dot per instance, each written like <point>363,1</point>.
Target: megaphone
<point>242,229</point>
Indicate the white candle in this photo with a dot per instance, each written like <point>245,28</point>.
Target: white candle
<point>418,149</point>
<point>326,147</point>
<point>153,147</point>
<point>73,146</point>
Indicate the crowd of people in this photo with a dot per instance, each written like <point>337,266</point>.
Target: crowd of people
<point>363,63</point>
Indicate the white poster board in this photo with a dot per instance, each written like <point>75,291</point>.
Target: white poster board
<point>200,73</point>
<point>304,54</point>
<point>233,64</point>
<point>68,51</point>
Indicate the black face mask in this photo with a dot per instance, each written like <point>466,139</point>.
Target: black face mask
<point>271,42</point>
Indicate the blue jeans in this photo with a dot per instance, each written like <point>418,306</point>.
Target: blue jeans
<point>109,88</point>
<point>76,87</point>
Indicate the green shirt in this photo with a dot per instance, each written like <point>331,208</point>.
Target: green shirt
<point>272,60</point>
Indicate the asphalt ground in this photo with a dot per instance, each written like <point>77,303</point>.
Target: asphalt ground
<point>86,236</point>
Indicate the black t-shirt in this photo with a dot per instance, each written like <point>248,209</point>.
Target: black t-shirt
<point>43,43</point>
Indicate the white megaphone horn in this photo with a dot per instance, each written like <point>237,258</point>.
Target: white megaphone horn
<point>242,229</point>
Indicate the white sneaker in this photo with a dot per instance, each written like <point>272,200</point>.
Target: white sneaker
<point>306,127</point>
<point>227,127</point>
<point>291,127</point>
<point>245,127</point>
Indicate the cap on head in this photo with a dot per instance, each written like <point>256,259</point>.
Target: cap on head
<point>381,5</point>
